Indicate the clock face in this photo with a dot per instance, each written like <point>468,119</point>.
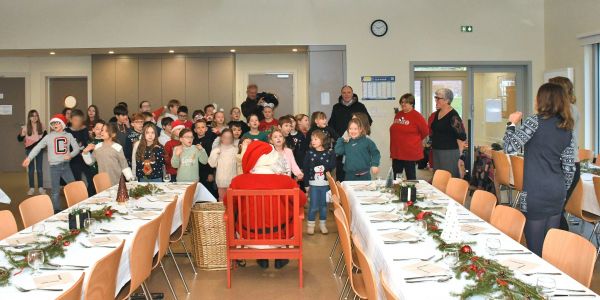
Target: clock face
<point>379,27</point>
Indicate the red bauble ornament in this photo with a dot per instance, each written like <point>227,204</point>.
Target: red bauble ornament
<point>473,268</point>
<point>501,282</point>
<point>433,227</point>
<point>409,203</point>
<point>422,215</point>
<point>108,213</point>
<point>66,243</point>
<point>466,249</point>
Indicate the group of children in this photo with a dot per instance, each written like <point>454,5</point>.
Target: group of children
<point>205,148</point>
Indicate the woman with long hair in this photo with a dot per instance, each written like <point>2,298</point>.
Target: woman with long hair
<point>30,135</point>
<point>549,148</point>
<point>92,116</point>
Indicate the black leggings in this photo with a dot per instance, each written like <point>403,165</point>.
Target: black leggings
<point>407,166</point>
<point>535,232</point>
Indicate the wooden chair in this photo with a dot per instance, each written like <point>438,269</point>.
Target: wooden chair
<point>75,192</point>
<point>366,268</point>
<point>457,189</point>
<point>570,253</point>
<point>387,290</point>
<point>264,217</point>
<point>102,282</point>
<point>140,258</point>
<point>517,164</point>
<point>336,204</point>
<point>483,204</point>
<point>502,171</point>
<point>356,280</point>
<point>440,179</point>
<point>74,292</point>
<point>177,236</point>
<point>102,182</point>
<point>334,192</point>
<point>164,235</point>
<point>35,209</point>
<point>345,202</point>
<point>508,220</point>
<point>9,224</point>
<point>586,154</point>
<point>575,205</point>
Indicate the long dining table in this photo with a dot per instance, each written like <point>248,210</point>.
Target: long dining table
<point>82,253</point>
<point>397,262</point>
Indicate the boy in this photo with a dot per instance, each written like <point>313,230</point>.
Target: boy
<point>165,134</point>
<point>172,107</point>
<point>206,138</point>
<point>82,136</point>
<point>58,143</point>
<point>182,115</point>
<point>235,115</point>
<point>285,124</point>
<point>122,120</point>
<point>269,121</point>
<point>133,136</point>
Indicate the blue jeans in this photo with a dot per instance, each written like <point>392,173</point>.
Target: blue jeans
<point>35,165</point>
<point>150,179</point>
<point>318,202</point>
<point>62,170</point>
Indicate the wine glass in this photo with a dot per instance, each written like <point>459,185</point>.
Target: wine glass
<point>399,177</point>
<point>492,245</point>
<point>90,226</point>
<point>545,285</point>
<point>35,259</point>
<point>402,209</point>
<point>451,258</point>
<point>166,177</point>
<point>130,205</point>
<point>421,228</point>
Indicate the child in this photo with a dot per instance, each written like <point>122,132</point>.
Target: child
<point>255,133</point>
<point>319,122</point>
<point>182,115</point>
<point>172,108</point>
<point>286,125</point>
<point>269,122</point>
<point>58,143</point>
<point>168,150</point>
<point>223,158</point>
<point>93,115</point>
<point>236,129</point>
<point>209,112</point>
<point>165,134</point>
<point>186,157</point>
<point>297,138</point>
<point>122,120</point>
<point>149,156</point>
<point>302,124</point>
<point>218,124</point>
<point>205,137</point>
<point>289,163</point>
<point>137,124</point>
<point>361,154</point>
<point>108,155</point>
<point>81,134</point>
<point>97,132</point>
<point>319,160</point>
<point>197,115</point>
<point>236,116</point>
<point>31,134</point>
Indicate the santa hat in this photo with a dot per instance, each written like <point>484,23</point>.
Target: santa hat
<point>253,153</point>
<point>60,118</point>
<point>177,125</point>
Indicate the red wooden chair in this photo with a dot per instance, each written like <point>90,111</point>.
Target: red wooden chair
<point>263,217</point>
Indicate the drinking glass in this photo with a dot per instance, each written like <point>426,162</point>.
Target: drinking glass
<point>166,177</point>
<point>90,226</point>
<point>130,205</point>
<point>545,285</point>
<point>492,245</point>
<point>421,228</point>
<point>402,209</point>
<point>451,258</point>
<point>35,259</point>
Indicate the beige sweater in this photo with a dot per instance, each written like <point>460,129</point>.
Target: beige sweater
<point>110,160</point>
<point>224,159</point>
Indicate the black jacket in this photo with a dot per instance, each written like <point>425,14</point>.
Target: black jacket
<point>250,107</point>
<point>342,114</point>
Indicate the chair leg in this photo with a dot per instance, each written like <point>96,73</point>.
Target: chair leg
<point>147,293</point>
<point>344,288</point>
<point>516,200</point>
<point>188,256</point>
<point>168,281</point>
<point>179,271</point>
<point>350,290</point>
<point>593,231</point>
<point>228,272</point>
<point>335,244</point>
<point>338,263</point>
<point>300,272</point>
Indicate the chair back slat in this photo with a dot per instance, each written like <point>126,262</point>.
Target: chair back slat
<point>75,192</point>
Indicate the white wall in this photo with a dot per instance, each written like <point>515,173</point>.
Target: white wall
<point>297,64</point>
<point>420,30</point>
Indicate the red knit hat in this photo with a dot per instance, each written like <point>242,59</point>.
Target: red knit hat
<point>177,125</point>
<point>255,150</point>
<point>59,118</point>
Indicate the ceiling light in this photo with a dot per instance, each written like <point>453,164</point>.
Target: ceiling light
<point>111,52</point>
<point>171,51</point>
<point>52,52</point>
<point>232,50</point>
<point>294,50</point>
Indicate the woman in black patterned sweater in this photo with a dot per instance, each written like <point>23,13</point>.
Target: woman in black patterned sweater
<point>548,144</point>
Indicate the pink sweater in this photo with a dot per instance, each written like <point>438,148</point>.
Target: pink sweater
<point>291,161</point>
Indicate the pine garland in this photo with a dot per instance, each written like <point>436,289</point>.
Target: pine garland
<point>143,190</point>
<point>4,276</point>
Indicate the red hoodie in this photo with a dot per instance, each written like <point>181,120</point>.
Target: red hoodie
<point>406,136</point>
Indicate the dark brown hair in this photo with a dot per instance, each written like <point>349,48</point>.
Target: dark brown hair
<point>112,130</point>
<point>38,125</point>
<point>139,155</point>
<point>567,85</point>
<point>410,98</point>
<point>322,136</point>
<point>315,116</point>
<point>364,120</point>
<point>552,100</point>
<point>360,125</point>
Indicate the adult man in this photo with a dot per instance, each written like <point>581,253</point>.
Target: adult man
<point>252,105</point>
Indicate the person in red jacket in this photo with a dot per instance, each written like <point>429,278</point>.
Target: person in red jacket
<point>170,145</point>
<point>259,163</point>
<point>406,138</point>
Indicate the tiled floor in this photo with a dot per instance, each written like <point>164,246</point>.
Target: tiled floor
<point>250,282</point>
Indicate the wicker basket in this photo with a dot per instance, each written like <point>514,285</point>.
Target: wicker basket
<point>209,236</point>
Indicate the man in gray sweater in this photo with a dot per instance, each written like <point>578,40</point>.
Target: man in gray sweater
<point>58,142</point>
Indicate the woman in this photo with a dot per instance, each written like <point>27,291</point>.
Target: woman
<point>30,135</point>
<point>548,143</point>
<point>567,85</point>
<point>447,133</point>
<point>92,117</point>
<point>406,138</point>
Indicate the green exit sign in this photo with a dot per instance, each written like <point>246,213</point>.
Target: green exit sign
<point>466,28</point>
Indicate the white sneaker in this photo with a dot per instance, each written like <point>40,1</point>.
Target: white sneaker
<point>310,229</point>
<point>323,227</point>
<point>42,191</point>
<point>31,191</point>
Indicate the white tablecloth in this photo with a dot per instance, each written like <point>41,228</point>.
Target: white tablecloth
<point>77,254</point>
<point>590,203</point>
<point>382,255</point>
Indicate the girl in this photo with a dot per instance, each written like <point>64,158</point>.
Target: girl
<point>236,129</point>
<point>319,160</point>
<point>31,134</point>
<point>318,121</point>
<point>186,157</point>
<point>361,154</point>
<point>149,156</point>
<point>108,154</point>
<point>255,133</point>
<point>97,132</point>
<point>93,115</point>
<point>218,124</point>
<point>236,116</point>
<point>269,122</point>
<point>289,163</point>
<point>302,123</point>
<point>223,158</point>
